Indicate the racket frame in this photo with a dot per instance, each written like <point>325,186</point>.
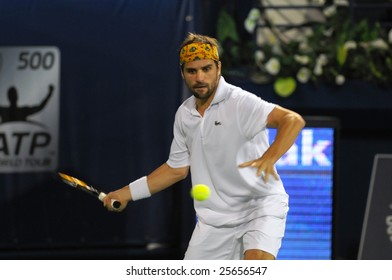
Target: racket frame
<point>83,186</point>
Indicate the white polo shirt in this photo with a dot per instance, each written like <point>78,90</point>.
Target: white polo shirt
<point>232,131</point>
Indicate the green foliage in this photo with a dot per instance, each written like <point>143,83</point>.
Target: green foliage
<point>335,50</point>
<point>234,50</point>
<point>226,29</point>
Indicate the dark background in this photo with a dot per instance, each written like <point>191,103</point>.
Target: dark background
<point>120,88</point>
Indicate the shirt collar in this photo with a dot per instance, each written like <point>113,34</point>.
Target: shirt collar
<point>220,95</point>
<point>221,92</point>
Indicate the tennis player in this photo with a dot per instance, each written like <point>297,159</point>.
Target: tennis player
<point>220,136</point>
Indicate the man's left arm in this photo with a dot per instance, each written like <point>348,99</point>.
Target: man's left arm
<point>288,124</point>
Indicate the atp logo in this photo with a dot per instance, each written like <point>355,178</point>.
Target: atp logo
<point>13,112</point>
<point>29,115</point>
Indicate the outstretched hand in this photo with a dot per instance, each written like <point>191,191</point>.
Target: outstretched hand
<point>264,167</point>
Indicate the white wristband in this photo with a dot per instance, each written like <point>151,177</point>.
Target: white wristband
<point>139,189</point>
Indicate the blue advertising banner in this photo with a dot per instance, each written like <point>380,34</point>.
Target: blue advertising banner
<point>307,171</point>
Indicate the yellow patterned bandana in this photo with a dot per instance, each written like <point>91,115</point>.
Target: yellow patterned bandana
<point>198,51</point>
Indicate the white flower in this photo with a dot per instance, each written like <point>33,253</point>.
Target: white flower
<point>308,32</point>
<point>390,36</point>
<point>304,47</point>
<point>271,38</point>
<point>302,59</point>
<point>254,14</point>
<point>318,2</point>
<point>330,11</point>
<point>350,45</point>
<point>250,25</point>
<point>340,80</point>
<point>379,44</point>
<point>318,69</point>
<point>328,32</point>
<point>251,20</point>
<point>322,59</point>
<point>277,49</point>
<point>342,3</point>
<point>273,66</point>
<point>303,75</point>
<point>259,56</point>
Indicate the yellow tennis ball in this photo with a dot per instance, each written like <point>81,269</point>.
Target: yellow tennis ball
<point>200,192</point>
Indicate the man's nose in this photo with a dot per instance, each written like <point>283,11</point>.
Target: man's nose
<point>200,76</point>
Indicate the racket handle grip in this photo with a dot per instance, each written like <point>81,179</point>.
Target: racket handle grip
<point>115,203</point>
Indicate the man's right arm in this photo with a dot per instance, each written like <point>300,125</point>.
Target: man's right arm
<point>158,180</point>
<point>165,176</point>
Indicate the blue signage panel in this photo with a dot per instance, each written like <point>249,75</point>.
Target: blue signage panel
<point>307,171</point>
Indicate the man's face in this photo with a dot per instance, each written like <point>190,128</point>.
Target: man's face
<point>202,77</point>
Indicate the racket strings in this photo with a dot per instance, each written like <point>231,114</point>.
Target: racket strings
<point>76,183</point>
<point>73,180</point>
<point>79,184</point>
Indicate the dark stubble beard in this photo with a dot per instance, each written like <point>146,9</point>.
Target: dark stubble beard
<point>210,91</point>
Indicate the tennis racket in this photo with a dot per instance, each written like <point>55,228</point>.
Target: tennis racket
<point>80,185</point>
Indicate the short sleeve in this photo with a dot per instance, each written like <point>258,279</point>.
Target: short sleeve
<point>179,152</point>
<point>253,113</point>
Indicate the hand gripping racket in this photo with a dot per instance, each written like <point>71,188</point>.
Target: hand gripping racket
<point>80,185</point>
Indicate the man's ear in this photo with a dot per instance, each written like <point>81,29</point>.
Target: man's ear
<point>182,73</point>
